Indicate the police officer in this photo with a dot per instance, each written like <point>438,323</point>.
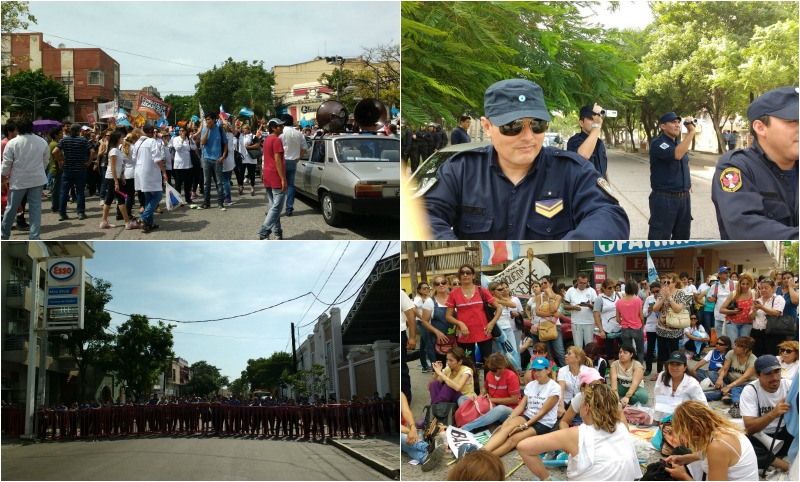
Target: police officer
<point>442,136</point>
<point>514,188</point>
<point>431,139</point>
<point>587,142</point>
<point>459,134</point>
<point>755,189</point>
<point>405,143</point>
<point>422,143</point>
<point>670,204</point>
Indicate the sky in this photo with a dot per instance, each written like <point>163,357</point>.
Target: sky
<point>199,280</point>
<point>201,34</point>
<point>634,14</point>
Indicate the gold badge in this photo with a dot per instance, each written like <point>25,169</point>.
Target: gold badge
<point>549,207</point>
<point>606,187</point>
<point>731,179</point>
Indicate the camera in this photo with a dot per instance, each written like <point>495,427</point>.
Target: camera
<point>693,122</point>
<point>608,113</point>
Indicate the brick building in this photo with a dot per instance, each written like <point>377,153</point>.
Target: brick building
<point>90,74</point>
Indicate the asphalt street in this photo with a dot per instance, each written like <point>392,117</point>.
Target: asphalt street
<point>182,458</point>
<point>241,221</point>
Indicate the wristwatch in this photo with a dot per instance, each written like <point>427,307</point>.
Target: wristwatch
<point>595,125</point>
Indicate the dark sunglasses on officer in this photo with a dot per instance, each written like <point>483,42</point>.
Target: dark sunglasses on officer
<point>538,126</point>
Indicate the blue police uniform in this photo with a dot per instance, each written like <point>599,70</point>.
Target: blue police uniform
<point>670,203</point>
<point>459,136</point>
<point>753,197</point>
<point>559,198</point>
<point>598,157</point>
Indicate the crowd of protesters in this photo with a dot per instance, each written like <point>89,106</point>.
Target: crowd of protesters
<point>740,331</point>
<point>305,417</point>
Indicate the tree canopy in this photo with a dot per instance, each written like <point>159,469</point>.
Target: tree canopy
<point>15,16</point>
<point>141,352</point>
<point>206,378</point>
<point>265,373</point>
<point>234,85</point>
<point>24,84</point>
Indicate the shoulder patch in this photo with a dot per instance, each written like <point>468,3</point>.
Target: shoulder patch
<point>606,187</point>
<point>664,146</point>
<point>731,179</point>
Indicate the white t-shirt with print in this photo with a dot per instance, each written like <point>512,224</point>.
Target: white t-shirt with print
<point>574,296</point>
<point>754,396</point>
<point>537,395</point>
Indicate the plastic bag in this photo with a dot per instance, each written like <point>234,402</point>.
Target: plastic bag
<point>638,415</point>
<point>174,198</point>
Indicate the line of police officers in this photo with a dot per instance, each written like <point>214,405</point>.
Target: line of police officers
<point>419,144</point>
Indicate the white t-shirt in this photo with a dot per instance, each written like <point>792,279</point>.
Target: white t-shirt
<point>774,303</point>
<point>788,371</point>
<point>722,294</point>
<point>504,322</point>
<point>606,305</point>
<point>572,384</point>
<point>689,329</point>
<point>423,305</point>
<point>604,456</point>
<point>183,159</point>
<point>689,389</point>
<point>293,141</point>
<point>574,297</point>
<point>244,141</point>
<point>405,305</point>
<point>119,162</point>
<point>147,153</point>
<point>651,319</point>
<point>754,396</point>
<point>229,163</point>
<point>537,394</point>
<point>532,304</point>
<point>690,290</point>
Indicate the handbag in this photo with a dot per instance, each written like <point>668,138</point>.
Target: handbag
<point>519,321</point>
<point>780,324</point>
<point>443,348</point>
<point>677,320</point>
<point>255,152</point>
<point>548,331</point>
<point>490,312</point>
<point>472,409</point>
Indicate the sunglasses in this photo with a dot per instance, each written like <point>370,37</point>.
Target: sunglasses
<point>666,282</point>
<point>721,344</point>
<point>786,350</point>
<point>425,288</point>
<point>538,351</point>
<point>466,272</point>
<point>456,284</point>
<point>440,283</point>
<point>656,291</point>
<point>538,126</point>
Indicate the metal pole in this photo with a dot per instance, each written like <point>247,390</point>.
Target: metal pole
<point>34,106</point>
<point>294,353</point>
<point>377,86</point>
<point>40,388</point>
<point>31,378</point>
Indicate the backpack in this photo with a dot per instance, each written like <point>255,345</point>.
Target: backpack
<point>444,412</point>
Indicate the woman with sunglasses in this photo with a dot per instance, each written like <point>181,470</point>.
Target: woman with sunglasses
<point>571,417</point>
<point>714,359</point>
<point>427,344</point>
<point>545,306</point>
<point>788,358</point>
<point>672,298</point>
<point>438,323</point>
<point>605,317</point>
<point>737,317</point>
<point>466,310</point>
<point>768,304</point>
<point>502,389</point>
<point>738,370</point>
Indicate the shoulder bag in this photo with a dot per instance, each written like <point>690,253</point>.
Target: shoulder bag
<point>548,330</point>
<point>490,312</point>
<point>779,324</point>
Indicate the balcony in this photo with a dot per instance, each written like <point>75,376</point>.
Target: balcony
<point>17,295</point>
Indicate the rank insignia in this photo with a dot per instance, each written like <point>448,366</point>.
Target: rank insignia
<point>731,179</point>
<point>550,207</point>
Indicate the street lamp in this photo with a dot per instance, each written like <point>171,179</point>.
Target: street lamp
<point>33,101</point>
<point>337,60</point>
<point>351,86</point>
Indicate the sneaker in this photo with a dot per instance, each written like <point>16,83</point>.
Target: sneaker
<point>102,203</point>
<point>22,224</point>
<point>289,213</point>
<point>63,217</point>
<point>241,190</point>
<point>193,196</point>
<point>107,225</point>
<point>132,225</point>
<point>734,412</point>
<point>551,455</point>
<point>145,228</point>
<point>227,203</point>
<point>252,191</point>
<point>222,208</point>
<point>696,357</point>
<point>434,458</point>
<point>726,399</point>
<point>154,226</point>
<point>82,216</point>
<point>203,206</point>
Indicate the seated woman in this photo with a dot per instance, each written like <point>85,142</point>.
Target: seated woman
<point>724,451</point>
<point>453,384</point>
<point>478,465</point>
<point>626,377</point>
<point>694,338</point>
<point>410,441</point>
<point>737,371</point>
<point>577,361</point>
<point>594,353</point>
<point>535,415</point>
<point>788,358</point>
<point>587,377</point>
<point>502,388</point>
<point>675,383</point>
<point>714,359</point>
<point>540,350</point>
<point>599,449</point>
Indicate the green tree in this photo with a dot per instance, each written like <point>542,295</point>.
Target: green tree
<point>185,106</point>
<point>239,388</point>
<point>90,345</point>
<point>790,256</point>
<point>15,16</point>
<point>265,373</point>
<point>236,84</point>
<point>26,84</point>
<point>305,383</point>
<point>141,353</point>
<point>206,379</point>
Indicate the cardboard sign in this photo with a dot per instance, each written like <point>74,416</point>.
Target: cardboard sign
<point>457,437</point>
<point>152,106</point>
<point>516,275</point>
<point>109,109</point>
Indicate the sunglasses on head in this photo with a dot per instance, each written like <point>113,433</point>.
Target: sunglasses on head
<point>538,126</point>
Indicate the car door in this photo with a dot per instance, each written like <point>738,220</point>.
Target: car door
<point>308,169</point>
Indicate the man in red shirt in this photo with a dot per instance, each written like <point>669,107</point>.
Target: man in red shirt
<point>274,175</point>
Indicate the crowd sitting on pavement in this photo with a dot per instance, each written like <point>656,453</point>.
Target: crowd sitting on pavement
<point>535,410</point>
<point>217,414</point>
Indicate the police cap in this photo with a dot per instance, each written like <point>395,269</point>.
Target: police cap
<point>668,117</point>
<point>512,99</point>
<point>781,103</point>
<point>587,111</point>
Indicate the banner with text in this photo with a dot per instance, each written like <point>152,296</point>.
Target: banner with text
<point>516,275</point>
<point>153,107</point>
<point>608,248</point>
<point>109,109</point>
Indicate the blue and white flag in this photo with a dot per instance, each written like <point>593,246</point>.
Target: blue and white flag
<point>162,122</point>
<point>652,274</point>
<point>246,112</point>
<point>195,118</point>
<point>122,118</point>
<point>495,252</point>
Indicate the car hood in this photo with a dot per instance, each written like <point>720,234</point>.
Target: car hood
<point>388,172</point>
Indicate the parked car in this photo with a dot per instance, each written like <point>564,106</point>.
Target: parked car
<point>351,174</point>
<point>566,326</point>
<point>425,176</point>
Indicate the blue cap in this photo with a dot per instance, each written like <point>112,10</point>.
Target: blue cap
<point>767,364</point>
<point>587,111</point>
<point>782,103</point>
<point>723,269</point>
<point>509,100</point>
<point>668,117</point>
<point>540,363</point>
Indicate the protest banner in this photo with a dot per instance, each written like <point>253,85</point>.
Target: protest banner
<point>109,109</point>
<point>153,107</point>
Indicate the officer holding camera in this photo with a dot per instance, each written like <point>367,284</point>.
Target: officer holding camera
<point>587,143</point>
<point>755,189</point>
<point>670,203</point>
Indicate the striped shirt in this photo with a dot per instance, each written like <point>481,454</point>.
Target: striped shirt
<point>76,153</point>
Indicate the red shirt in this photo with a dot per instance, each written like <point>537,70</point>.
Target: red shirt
<point>506,386</point>
<point>272,145</point>
<point>471,313</point>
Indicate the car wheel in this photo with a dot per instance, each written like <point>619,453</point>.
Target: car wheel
<point>330,214</point>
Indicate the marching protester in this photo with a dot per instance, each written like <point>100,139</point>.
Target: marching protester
<point>148,156</point>
<point>115,181</point>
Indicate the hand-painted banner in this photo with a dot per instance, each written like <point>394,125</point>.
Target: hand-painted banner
<point>109,109</point>
<point>153,106</point>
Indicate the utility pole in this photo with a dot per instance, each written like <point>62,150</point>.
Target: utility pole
<point>412,266</point>
<point>294,353</point>
<point>421,261</point>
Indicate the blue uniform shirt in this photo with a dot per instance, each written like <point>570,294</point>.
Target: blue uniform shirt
<point>213,147</point>
<point>666,173</point>
<point>459,136</point>
<point>753,197</point>
<point>598,157</point>
<point>559,198</point>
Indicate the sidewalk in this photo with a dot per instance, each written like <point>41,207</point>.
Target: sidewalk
<point>706,159</point>
<point>381,453</point>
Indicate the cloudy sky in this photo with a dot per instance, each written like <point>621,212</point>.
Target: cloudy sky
<point>167,43</point>
<point>198,280</point>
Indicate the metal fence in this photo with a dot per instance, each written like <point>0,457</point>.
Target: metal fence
<point>327,421</point>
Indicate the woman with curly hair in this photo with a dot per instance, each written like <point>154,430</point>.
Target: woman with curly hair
<point>723,450</point>
<point>599,449</point>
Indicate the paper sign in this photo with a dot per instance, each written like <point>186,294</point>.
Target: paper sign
<point>457,437</point>
<point>109,109</point>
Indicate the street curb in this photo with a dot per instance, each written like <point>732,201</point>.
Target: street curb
<point>380,467</point>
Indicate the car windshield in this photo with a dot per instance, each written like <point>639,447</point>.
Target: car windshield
<point>425,175</point>
<point>368,149</point>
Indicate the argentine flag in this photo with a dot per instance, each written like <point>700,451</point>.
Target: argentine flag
<point>652,274</point>
<point>499,251</point>
<point>246,112</point>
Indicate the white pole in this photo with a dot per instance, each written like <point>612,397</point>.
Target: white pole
<point>34,310</point>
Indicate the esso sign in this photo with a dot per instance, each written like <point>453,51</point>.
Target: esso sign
<point>62,271</point>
